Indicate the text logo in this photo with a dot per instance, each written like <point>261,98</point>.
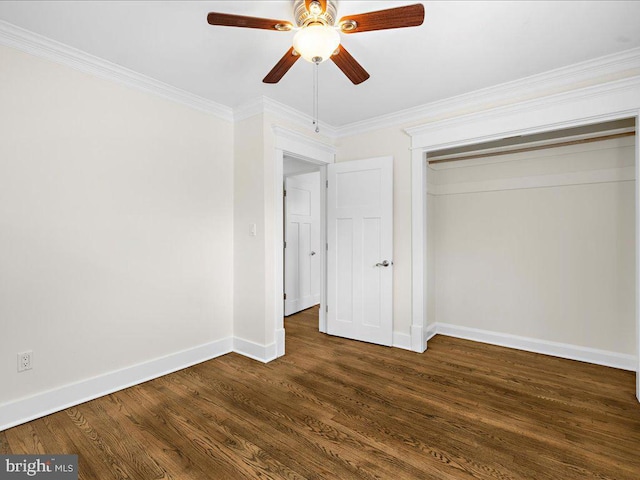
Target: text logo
<point>52,467</point>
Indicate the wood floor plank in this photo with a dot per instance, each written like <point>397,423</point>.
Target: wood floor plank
<point>316,420</point>
<point>283,420</point>
<point>282,441</point>
<point>190,441</point>
<point>338,409</point>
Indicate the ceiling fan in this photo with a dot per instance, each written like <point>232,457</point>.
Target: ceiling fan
<point>317,38</point>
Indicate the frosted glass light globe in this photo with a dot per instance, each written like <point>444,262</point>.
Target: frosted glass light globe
<point>316,43</point>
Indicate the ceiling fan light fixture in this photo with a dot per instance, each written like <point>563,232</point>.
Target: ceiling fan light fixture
<point>316,42</point>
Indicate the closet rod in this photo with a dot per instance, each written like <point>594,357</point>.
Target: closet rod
<point>531,149</point>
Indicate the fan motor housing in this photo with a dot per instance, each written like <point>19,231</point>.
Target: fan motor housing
<point>304,18</point>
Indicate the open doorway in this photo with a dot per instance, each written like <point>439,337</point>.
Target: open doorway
<point>302,234</point>
<point>361,193</point>
<point>290,144</point>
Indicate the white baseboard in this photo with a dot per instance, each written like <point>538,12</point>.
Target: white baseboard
<point>45,403</point>
<point>256,351</point>
<point>556,349</point>
<point>280,338</point>
<point>418,339</point>
<point>431,331</point>
<point>402,340</point>
<point>30,408</point>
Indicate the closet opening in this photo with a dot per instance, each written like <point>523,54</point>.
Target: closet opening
<point>531,242</point>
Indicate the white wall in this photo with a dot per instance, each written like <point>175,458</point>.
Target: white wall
<point>555,262</point>
<point>249,265</point>
<point>116,226</point>
<point>257,183</point>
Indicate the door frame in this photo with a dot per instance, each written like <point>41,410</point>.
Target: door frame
<point>572,109</point>
<point>299,146</point>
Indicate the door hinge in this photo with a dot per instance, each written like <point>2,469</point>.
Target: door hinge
<point>285,296</point>
<point>285,244</point>
<point>326,308</point>
<point>327,184</point>
<point>327,247</point>
<point>284,193</point>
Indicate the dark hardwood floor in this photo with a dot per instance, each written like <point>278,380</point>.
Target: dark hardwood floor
<point>338,409</point>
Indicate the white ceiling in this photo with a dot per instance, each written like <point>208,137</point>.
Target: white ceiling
<point>461,47</point>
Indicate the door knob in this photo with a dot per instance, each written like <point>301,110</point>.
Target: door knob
<point>384,263</point>
<point>312,253</point>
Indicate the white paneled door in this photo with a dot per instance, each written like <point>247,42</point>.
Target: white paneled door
<point>360,247</point>
<point>302,237</point>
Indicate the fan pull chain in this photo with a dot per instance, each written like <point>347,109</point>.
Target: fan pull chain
<point>315,98</point>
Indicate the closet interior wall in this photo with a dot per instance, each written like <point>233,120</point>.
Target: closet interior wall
<point>538,244</point>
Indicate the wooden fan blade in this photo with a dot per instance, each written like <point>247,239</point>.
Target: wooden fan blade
<point>282,67</point>
<point>399,17</point>
<point>323,4</point>
<point>349,66</point>
<point>228,20</point>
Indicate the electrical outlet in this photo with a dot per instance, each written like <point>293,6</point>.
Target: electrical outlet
<point>24,361</point>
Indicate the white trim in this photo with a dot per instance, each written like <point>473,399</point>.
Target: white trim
<point>278,248</point>
<point>322,314</point>
<point>45,403</point>
<point>256,351</point>
<point>302,147</point>
<point>248,109</point>
<point>273,107</point>
<point>280,336</point>
<point>637,208</point>
<point>265,105</point>
<point>38,45</point>
<point>617,65</point>
<point>418,338</point>
<point>574,108</point>
<point>546,347</point>
<point>402,340</point>
<point>418,250</point>
<point>586,177</point>
<point>537,85</point>
<point>432,331</point>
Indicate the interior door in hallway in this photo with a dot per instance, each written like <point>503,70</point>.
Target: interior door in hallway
<point>360,248</point>
<point>302,236</point>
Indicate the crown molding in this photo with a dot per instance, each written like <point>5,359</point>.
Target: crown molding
<point>276,108</point>
<point>266,105</point>
<point>626,86</point>
<point>599,70</point>
<point>298,143</point>
<point>32,43</point>
<point>248,109</point>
